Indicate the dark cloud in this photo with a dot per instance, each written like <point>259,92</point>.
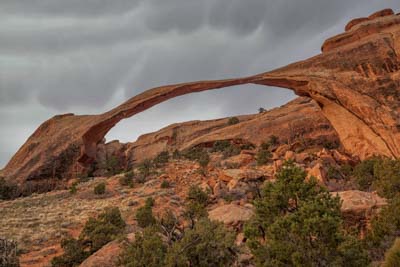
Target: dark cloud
<point>86,56</point>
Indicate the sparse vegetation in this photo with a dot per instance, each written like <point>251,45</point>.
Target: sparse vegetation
<point>100,189</point>
<point>263,156</point>
<point>145,169</point>
<point>392,257</point>
<point>261,110</point>
<point>197,201</point>
<point>385,228</point>
<point>148,250</point>
<point>165,184</point>
<point>8,190</point>
<point>207,244</point>
<point>113,165</point>
<point>127,179</point>
<point>298,223</point>
<point>233,121</point>
<point>167,243</point>
<point>161,158</point>
<point>97,232</point>
<point>144,215</point>
<point>226,147</point>
<point>73,189</point>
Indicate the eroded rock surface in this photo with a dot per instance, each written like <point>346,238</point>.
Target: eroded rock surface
<point>355,81</point>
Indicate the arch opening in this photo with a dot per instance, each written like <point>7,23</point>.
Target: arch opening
<point>210,105</point>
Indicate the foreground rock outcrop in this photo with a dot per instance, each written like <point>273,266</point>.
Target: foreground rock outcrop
<point>355,82</point>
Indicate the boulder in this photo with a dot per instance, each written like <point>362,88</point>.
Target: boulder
<point>231,214</point>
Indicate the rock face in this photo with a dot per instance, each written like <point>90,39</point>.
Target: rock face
<point>355,82</point>
<point>231,214</point>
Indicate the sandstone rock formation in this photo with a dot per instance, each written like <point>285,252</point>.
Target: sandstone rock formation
<point>355,81</point>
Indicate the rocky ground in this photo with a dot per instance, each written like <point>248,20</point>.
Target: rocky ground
<point>40,221</point>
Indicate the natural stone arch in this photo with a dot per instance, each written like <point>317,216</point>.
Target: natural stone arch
<point>356,82</point>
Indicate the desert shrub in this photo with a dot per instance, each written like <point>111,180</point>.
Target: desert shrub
<point>99,231</point>
<point>165,184</point>
<point>385,228</point>
<point>298,223</point>
<point>233,121</point>
<point>263,156</point>
<point>73,189</point>
<point>380,174</point>
<point>196,194</point>
<point>273,140</point>
<point>144,215</point>
<point>328,144</point>
<point>100,189</point>
<point>207,244</point>
<point>261,110</point>
<point>204,160</point>
<point>194,153</point>
<point>74,254</point>
<point>226,147</point>
<point>392,257</point>
<point>127,179</point>
<point>161,158</point>
<point>113,165</point>
<point>8,190</point>
<point>145,169</point>
<point>96,233</point>
<point>220,145</point>
<point>149,202</point>
<point>387,173</point>
<point>364,173</point>
<point>176,154</point>
<point>148,250</point>
<point>346,170</point>
<point>247,146</point>
<point>196,204</point>
<point>334,173</point>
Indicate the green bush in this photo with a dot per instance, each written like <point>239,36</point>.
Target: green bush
<point>207,244</point>
<point>74,254</point>
<point>204,160</point>
<point>226,147</point>
<point>334,173</point>
<point>220,146</point>
<point>176,154</point>
<point>165,184</point>
<point>149,202</point>
<point>99,231</point>
<point>298,223</point>
<point>145,169</point>
<point>380,174</point>
<point>385,228</point>
<point>127,179</point>
<point>148,250</point>
<point>196,204</point>
<point>100,189</point>
<point>113,165</point>
<point>392,257</point>
<point>73,189</point>
<point>161,158</point>
<point>233,121</point>
<point>144,215</point>
<point>364,173</point>
<point>8,190</point>
<point>96,233</point>
<point>263,157</point>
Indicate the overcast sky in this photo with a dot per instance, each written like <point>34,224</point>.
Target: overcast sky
<point>86,56</point>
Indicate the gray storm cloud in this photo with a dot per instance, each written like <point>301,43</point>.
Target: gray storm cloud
<point>85,56</point>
